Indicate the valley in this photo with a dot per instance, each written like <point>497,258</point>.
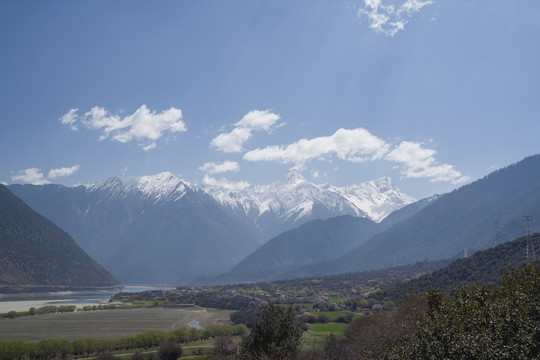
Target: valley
<point>335,273</point>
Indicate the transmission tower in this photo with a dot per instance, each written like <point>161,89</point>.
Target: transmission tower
<point>527,222</point>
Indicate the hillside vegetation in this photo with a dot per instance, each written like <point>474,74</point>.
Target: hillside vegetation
<point>483,267</point>
<point>35,252</point>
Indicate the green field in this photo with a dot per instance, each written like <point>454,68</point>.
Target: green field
<point>318,333</point>
<point>333,314</point>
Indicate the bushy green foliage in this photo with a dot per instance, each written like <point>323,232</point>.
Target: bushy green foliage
<point>53,348</point>
<point>275,336</point>
<point>480,322</point>
<point>49,309</point>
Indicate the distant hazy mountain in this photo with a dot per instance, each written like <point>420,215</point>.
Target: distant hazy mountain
<point>36,252</point>
<point>311,243</point>
<point>292,201</point>
<point>162,229</point>
<point>462,219</point>
<point>154,229</point>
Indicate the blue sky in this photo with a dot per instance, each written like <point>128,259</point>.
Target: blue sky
<point>433,94</point>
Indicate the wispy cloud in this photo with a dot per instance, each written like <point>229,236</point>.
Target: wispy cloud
<point>216,168</point>
<point>32,176</point>
<point>359,145</point>
<point>143,125</point>
<point>63,172</point>
<point>224,183</point>
<point>390,16</point>
<point>256,120</point>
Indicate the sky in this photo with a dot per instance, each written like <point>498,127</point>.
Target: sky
<point>431,93</point>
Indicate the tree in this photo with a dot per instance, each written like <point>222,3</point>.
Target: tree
<point>224,348</point>
<point>169,351</point>
<point>488,322</point>
<point>275,335</point>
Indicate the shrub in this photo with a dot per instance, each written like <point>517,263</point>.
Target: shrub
<point>274,336</point>
<point>169,351</point>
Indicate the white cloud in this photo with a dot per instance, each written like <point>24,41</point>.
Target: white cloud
<point>224,183</point>
<point>258,120</point>
<point>358,145</point>
<point>232,142</point>
<point>255,120</point>
<point>30,176</point>
<point>355,145</point>
<point>70,118</point>
<point>143,125</point>
<point>419,162</point>
<point>62,172</point>
<point>215,168</point>
<point>391,16</point>
<point>149,146</point>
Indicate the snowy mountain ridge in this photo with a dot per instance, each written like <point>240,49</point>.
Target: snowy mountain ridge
<point>293,197</point>
<point>163,186</point>
<point>290,199</point>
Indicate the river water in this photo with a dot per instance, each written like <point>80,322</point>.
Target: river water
<point>23,302</point>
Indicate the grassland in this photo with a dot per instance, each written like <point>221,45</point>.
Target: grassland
<point>108,323</point>
<point>318,333</point>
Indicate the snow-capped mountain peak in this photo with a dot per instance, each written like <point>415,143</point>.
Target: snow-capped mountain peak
<point>278,206</point>
<point>156,187</point>
<point>294,200</point>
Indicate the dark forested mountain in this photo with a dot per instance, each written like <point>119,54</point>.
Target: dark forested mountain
<point>36,252</point>
<point>483,267</point>
<point>462,219</point>
<point>155,230</point>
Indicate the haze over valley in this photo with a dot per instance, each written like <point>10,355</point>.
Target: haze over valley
<point>269,179</point>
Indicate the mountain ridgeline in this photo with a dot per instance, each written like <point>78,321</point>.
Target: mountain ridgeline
<point>161,229</point>
<point>457,221</point>
<point>164,230</point>
<point>35,254</point>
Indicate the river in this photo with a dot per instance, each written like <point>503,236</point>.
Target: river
<point>23,302</point>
